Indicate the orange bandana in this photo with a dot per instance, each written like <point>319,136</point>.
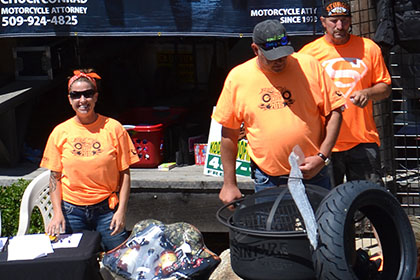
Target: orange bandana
<point>90,76</point>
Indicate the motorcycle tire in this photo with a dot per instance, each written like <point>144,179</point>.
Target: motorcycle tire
<point>336,256</point>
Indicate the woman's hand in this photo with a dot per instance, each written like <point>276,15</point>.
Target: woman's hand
<point>117,222</point>
<point>57,225</point>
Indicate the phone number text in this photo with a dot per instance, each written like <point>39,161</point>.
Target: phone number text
<point>39,21</point>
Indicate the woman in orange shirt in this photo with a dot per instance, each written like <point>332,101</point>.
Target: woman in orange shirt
<point>89,157</point>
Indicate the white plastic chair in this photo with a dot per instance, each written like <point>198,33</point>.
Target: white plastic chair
<point>35,195</point>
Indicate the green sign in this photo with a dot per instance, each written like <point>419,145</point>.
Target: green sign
<point>213,165</point>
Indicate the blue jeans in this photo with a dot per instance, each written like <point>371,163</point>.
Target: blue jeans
<point>93,217</point>
<point>263,181</point>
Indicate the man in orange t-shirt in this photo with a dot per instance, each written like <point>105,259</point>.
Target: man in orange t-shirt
<point>283,99</point>
<point>358,69</point>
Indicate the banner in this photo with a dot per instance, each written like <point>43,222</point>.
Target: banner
<point>213,164</point>
<point>228,18</point>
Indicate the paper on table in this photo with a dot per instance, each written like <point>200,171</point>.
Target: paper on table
<point>67,240</point>
<point>28,247</point>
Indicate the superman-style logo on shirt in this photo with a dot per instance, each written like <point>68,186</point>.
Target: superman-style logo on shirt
<point>345,72</point>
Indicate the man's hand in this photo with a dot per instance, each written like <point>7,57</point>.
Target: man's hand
<point>377,92</point>
<point>311,166</point>
<point>229,193</point>
<point>360,98</point>
<point>228,152</point>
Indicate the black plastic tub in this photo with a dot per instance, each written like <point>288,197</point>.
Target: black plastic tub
<point>267,236</point>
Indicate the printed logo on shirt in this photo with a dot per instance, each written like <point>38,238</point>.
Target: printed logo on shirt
<point>275,98</point>
<point>345,72</point>
<point>86,147</point>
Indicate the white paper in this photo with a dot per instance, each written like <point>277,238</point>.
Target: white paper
<point>297,189</point>
<point>29,247</point>
<point>67,241</point>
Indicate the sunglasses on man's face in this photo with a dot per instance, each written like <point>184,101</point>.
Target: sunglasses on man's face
<point>274,44</point>
<point>78,94</point>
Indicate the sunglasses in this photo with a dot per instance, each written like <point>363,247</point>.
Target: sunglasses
<point>78,94</point>
<point>274,44</point>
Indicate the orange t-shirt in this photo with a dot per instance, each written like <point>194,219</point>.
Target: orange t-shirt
<point>90,158</point>
<point>356,65</point>
<point>279,110</point>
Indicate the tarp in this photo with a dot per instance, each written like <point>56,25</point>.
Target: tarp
<point>226,18</point>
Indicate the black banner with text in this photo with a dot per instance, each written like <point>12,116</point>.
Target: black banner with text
<point>227,18</point>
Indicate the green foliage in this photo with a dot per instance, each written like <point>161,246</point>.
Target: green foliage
<point>10,198</point>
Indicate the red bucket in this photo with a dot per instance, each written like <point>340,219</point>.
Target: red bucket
<point>148,141</point>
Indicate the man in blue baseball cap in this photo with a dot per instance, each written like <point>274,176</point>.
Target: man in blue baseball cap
<point>282,99</point>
